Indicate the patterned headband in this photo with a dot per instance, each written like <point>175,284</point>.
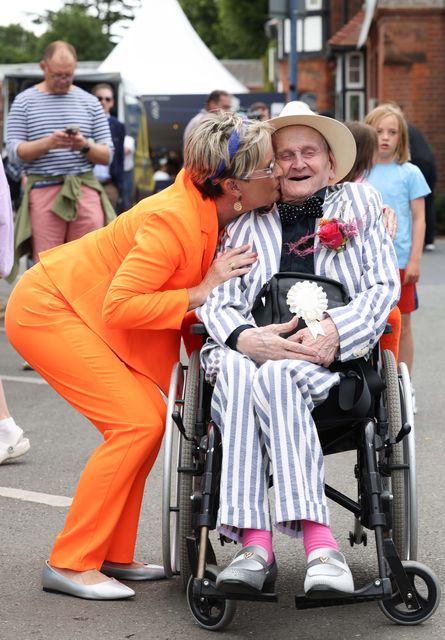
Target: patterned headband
<point>232,146</point>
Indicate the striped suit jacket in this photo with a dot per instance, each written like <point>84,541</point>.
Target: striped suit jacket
<point>367,268</point>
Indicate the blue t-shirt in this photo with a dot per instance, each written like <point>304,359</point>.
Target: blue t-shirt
<point>398,185</point>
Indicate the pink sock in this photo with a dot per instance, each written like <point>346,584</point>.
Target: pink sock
<point>262,538</point>
<point>317,536</point>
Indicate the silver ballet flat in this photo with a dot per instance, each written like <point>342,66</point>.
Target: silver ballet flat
<point>124,572</point>
<point>54,581</point>
<point>248,572</point>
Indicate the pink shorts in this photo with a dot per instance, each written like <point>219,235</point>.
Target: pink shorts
<point>49,230</point>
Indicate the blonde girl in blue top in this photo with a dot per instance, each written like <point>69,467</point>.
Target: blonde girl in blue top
<point>403,188</point>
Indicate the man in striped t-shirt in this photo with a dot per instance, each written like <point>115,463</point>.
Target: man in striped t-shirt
<point>58,132</point>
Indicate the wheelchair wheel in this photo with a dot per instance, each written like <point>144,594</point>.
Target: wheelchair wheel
<point>409,451</point>
<point>191,397</point>
<point>210,613</point>
<point>427,590</point>
<point>170,506</point>
<point>396,483</point>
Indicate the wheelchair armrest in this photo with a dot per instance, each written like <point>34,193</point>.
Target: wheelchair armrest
<point>198,329</point>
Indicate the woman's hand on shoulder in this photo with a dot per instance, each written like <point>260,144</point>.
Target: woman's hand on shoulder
<point>390,220</point>
<point>232,263</point>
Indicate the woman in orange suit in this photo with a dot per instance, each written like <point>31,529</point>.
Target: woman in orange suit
<point>100,319</point>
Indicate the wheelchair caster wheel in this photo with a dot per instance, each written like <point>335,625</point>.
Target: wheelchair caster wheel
<point>427,590</point>
<point>211,613</point>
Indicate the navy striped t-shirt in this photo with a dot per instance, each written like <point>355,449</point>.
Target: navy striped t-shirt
<point>35,114</point>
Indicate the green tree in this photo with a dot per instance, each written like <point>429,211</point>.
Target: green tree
<point>242,27</point>
<point>109,12</point>
<point>83,31</point>
<point>17,44</point>
<point>204,17</point>
<point>230,28</point>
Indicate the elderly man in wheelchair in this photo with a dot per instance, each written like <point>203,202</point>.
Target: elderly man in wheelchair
<point>267,385</point>
<point>325,258</point>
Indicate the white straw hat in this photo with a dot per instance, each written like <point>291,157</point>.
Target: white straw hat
<point>339,138</point>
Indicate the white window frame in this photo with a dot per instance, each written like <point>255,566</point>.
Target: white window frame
<point>361,96</point>
<point>361,81</point>
<point>314,5</point>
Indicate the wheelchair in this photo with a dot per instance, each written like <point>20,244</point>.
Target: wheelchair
<point>378,425</point>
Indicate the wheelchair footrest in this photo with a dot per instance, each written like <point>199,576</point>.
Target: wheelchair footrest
<point>377,590</point>
<point>206,588</point>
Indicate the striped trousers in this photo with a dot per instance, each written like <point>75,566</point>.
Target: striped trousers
<point>264,413</point>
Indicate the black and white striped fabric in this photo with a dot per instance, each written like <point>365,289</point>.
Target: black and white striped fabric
<point>264,411</point>
<point>35,114</point>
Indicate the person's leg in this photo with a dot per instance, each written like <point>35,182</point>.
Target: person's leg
<point>90,215</point>
<point>285,393</point>
<point>244,474</point>
<point>391,340</point>
<point>48,230</point>
<point>12,443</point>
<point>406,349</point>
<point>96,383</point>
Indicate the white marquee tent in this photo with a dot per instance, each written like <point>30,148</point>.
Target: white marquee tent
<point>161,54</point>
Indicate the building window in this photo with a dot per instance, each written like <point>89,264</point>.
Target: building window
<point>314,5</point>
<point>355,105</point>
<point>309,34</point>
<point>354,70</point>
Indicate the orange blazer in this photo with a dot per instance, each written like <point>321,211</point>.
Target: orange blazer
<point>128,281</point>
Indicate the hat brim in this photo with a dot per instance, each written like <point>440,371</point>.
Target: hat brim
<point>339,138</point>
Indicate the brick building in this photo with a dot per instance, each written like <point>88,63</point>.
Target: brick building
<point>374,52</point>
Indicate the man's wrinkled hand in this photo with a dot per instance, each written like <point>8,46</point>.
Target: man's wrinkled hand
<point>325,346</point>
<point>266,343</point>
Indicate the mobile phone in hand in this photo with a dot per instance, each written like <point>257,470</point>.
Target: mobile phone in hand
<point>72,129</point>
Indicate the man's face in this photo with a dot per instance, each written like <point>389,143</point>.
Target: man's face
<point>307,165</point>
<point>59,73</point>
<point>223,104</point>
<point>105,97</point>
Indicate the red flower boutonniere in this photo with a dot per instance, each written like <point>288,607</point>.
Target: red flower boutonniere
<point>333,234</point>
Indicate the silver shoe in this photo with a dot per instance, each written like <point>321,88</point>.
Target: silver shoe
<point>248,572</point>
<point>52,580</point>
<point>327,570</point>
<point>124,572</point>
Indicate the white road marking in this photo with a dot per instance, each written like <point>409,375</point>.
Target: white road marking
<point>28,379</point>
<point>35,496</point>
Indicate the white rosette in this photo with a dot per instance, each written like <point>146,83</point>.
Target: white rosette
<point>308,301</point>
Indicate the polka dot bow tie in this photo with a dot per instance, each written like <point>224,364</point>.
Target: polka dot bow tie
<point>311,208</point>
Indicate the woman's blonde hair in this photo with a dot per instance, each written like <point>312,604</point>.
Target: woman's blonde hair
<point>224,145</point>
<point>390,109</point>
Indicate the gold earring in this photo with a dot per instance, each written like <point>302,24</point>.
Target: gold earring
<point>238,206</point>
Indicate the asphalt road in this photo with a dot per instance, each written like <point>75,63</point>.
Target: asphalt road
<point>61,443</point>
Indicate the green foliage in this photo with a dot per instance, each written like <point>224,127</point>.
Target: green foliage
<point>203,15</point>
<point>230,28</point>
<point>242,27</point>
<point>109,12</point>
<point>83,31</point>
<point>17,44</point>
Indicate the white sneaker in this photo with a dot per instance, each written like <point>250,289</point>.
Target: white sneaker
<point>11,451</point>
<point>429,247</point>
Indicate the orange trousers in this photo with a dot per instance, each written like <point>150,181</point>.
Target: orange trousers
<point>391,340</point>
<point>125,406</point>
